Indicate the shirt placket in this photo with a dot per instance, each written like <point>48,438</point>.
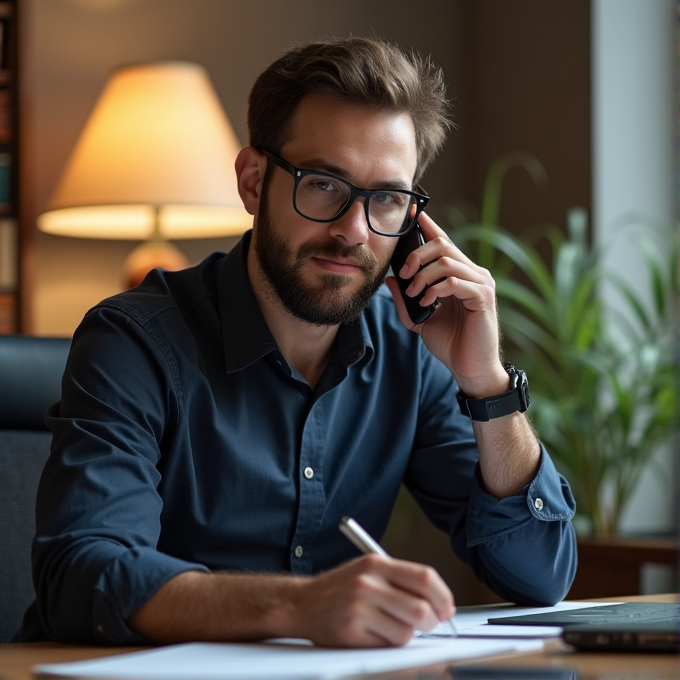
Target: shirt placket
<point>312,502</point>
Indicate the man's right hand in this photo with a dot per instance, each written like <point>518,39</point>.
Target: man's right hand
<point>373,601</point>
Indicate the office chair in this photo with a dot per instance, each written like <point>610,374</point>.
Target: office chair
<point>30,380</point>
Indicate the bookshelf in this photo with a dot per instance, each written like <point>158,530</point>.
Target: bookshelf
<point>10,242</point>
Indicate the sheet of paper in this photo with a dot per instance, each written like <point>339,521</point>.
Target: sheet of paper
<point>472,621</point>
<point>211,661</point>
<point>471,617</point>
<point>519,632</point>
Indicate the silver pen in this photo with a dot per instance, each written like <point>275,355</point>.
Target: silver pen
<point>367,544</point>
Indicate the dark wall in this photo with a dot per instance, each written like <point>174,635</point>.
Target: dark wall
<point>526,87</point>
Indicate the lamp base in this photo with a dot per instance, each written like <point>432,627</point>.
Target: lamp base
<point>150,255</point>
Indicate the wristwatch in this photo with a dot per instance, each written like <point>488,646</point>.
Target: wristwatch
<point>515,399</point>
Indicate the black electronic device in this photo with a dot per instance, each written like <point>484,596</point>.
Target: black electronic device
<point>515,399</point>
<point>649,636</point>
<point>622,626</point>
<point>511,673</point>
<point>405,246</point>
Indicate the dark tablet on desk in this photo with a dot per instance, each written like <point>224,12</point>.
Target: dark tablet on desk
<point>624,612</point>
<point>631,626</point>
<point>650,636</point>
<point>511,673</point>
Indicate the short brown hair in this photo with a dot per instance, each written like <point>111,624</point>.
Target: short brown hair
<point>369,72</point>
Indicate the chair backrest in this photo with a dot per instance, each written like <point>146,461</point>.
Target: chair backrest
<point>30,380</point>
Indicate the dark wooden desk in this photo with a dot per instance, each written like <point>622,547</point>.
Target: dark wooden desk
<point>17,660</point>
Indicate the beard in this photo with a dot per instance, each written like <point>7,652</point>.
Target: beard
<point>324,304</point>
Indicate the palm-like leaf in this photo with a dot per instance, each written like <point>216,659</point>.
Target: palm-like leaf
<point>603,383</point>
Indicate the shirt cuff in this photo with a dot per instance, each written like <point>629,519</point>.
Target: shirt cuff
<point>546,498</point>
<point>125,585</point>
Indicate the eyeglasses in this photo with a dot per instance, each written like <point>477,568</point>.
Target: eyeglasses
<point>322,197</point>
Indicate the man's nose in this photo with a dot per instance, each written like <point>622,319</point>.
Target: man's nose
<point>352,228</point>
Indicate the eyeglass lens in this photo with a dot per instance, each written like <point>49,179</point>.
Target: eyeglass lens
<point>321,197</point>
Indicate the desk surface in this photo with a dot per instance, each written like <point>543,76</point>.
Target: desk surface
<point>17,660</point>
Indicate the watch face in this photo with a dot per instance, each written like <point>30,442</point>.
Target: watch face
<point>525,394</point>
<point>524,390</point>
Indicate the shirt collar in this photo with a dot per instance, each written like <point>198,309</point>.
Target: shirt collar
<point>247,337</point>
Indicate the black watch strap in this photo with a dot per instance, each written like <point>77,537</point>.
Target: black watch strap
<point>515,399</point>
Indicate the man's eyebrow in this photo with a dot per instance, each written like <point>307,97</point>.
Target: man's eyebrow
<point>325,166</point>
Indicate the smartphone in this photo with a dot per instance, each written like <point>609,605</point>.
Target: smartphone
<point>406,245</point>
<point>512,673</point>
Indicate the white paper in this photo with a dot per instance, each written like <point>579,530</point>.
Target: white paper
<point>213,661</point>
<point>468,618</point>
<point>498,631</point>
<point>472,621</point>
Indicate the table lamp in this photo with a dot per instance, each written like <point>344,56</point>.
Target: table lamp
<point>154,162</point>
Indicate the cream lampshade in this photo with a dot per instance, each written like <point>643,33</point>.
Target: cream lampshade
<point>154,162</point>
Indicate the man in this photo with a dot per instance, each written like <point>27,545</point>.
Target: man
<point>217,423</point>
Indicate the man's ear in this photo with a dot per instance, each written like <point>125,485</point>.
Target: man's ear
<point>250,166</point>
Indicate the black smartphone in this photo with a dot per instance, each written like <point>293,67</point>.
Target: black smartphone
<point>512,673</point>
<point>406,245</point>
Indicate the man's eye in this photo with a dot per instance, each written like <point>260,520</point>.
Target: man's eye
<point>314,183</point>
<point>388,198</point>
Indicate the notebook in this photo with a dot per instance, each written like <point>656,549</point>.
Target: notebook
<point>632,626</point>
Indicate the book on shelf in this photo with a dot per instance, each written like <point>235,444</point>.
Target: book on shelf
<point>5,115</point>
<point>9,254</point>
<point>5,169</point>
<point>6,15</point>
<point>4,44</point>
<point>8,305</point>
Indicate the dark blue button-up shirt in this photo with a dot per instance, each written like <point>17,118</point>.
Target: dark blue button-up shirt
<point>185,440</point>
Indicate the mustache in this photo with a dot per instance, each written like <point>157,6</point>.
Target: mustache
<point>356,254</point>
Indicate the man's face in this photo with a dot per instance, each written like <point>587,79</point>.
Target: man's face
<point>325,273</point>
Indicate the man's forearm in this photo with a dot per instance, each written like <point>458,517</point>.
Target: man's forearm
<point>369,602</point>
<point>509,453</point>
<point>199,606</point>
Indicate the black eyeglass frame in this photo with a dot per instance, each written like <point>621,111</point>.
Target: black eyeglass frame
<point>422,199</point>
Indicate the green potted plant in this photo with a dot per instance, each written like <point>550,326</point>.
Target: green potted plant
<point>602,381</point>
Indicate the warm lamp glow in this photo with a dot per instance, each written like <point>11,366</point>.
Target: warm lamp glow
<point>136,222</point>
<point>156,157</point>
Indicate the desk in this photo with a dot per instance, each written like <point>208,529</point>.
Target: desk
<point>16,660</point>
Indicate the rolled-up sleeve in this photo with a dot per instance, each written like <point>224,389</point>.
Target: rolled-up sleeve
<point>524,546</point>
<point>125,584</point>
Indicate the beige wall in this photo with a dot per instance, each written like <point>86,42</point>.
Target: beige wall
<point>71,46</point>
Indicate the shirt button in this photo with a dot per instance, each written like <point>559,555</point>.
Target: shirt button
<point>299,551</point>
<point>309,473</point>
<point>100,629</point>
<point>538,504</point>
